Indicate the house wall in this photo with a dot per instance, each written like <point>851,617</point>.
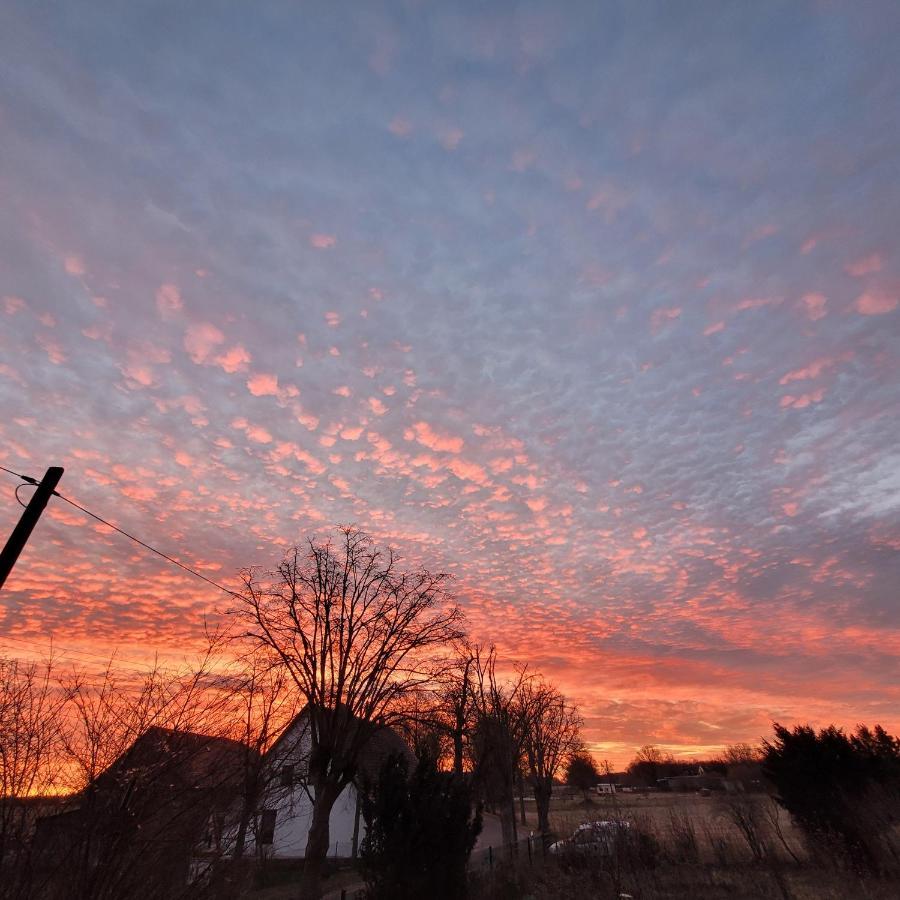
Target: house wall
<point>293,819</point>
<point>294,807</point>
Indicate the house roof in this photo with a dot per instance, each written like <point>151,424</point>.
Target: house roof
<point>382,742</point>
<point>163,759</point>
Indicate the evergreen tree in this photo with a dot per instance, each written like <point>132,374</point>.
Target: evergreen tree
<point>420,830</point>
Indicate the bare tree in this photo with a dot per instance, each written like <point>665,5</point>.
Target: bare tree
<point>261,704</point>
<point>439,718</point>
<point>354,632</point>
<point>30,726</point>
<point>551,735</point>
<point>497,737</point>
<point>457,700</point>
<point>650,763</point>
<point>147,771</point>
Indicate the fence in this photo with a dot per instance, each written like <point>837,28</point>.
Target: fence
<point>529,851</point>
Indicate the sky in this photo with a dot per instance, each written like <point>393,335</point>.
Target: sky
<point>595,306</point>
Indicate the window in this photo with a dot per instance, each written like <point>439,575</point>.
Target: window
<point>266,827</point>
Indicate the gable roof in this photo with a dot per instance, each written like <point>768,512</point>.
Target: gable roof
<point>382,742</point>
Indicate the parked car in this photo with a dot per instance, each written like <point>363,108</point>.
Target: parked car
<point>593,837</point>
<point>609,838</point>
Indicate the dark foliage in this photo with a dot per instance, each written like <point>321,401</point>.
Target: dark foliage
<point>841,789</point>
<point>420,831</point>
<point>582,772</point>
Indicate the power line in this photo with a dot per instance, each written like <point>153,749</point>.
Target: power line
<point>22,477</point>
<point>130,537</point>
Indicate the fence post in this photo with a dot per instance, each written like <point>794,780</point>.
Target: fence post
<point>491,858</point>
<point>529,849</point>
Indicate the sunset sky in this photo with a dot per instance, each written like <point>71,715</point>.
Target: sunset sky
<point>595,306</point>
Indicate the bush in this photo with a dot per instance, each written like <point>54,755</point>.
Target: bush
<point>420,832</point>
<point>839,788</point>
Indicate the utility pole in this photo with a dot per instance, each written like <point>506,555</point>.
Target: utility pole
<point>28,520</point>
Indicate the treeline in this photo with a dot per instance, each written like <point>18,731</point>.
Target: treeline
<point>111,783</point>
<point>340,632</point>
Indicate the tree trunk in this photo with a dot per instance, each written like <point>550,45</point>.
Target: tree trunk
<point>356,816</point>
<point>458,751</point>
<point>522,818</point>
<point>542,801</point>
<point>507,815</point>
<point>317,841</point>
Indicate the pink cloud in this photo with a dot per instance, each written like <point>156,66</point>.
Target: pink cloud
<point>808,245</point>
<point>608,198</point>
<point>201,339</point>
<point>468,471</point>
<point>53,349</point>
<point>714,329</point>
<point>168,300</point>
<point>755,303</point>
<point>313,464</point>
<point>259,434</point>
<point>790,509</point>
<point>450,139</point>
<point>141,374</point>
<point>804,400</point>
<point>74,265</point>
<point>261,384</point>
<point>815,368</point>
<point>760,233</point>
<point>377,406</point>
<point>333,319</point>
<point>342,391</point>
<point>814,305</point>
<point>875,303</point>
<point>237,359</point>
<point>184,459</point>
<point>9,372</point>
<point>428,437</point>
<point>307,420</point>
<point>323,241</point>
<point>663,316</point>
<point>400,127</point>
<point>13,305</point>
<point>865,266</point>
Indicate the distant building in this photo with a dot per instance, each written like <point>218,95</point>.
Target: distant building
<point>689,783</point>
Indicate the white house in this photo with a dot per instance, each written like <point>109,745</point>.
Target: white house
<point>282,824</point>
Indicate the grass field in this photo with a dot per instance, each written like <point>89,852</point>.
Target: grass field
<point>720,847</point>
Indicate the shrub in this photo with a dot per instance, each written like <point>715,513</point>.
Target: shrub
<point>420,830</point>
<point>837,786</point>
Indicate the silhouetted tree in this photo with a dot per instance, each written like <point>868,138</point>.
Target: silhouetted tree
<point>582,772</point>
<point>420,830</point>
<point>356,634</point>
<point>842,789</point>
<point>31,718</point>
<point>551,730</point>
<point>650,763</point>
<point>497,738</point>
